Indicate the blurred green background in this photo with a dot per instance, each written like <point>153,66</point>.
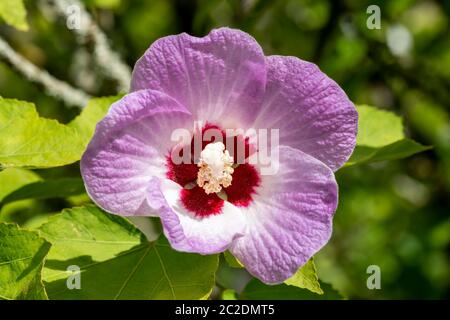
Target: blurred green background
<point>391,214</point>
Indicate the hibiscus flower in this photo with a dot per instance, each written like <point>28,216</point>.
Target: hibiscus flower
<point>221,200</point>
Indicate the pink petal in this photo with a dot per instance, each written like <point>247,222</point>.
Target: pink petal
<point>185,232</point>
<point>290,219</point>
<point>218,77</point>
<point>311,111</point>
<point>129,148</point>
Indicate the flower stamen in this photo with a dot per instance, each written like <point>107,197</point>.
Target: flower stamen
<point>216,168</point>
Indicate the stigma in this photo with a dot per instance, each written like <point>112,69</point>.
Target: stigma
<point>216,168</point>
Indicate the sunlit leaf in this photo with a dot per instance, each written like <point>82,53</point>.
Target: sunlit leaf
<point>27,140</point>
<point>117,261</point>
<point>104,4</point>
<point>377,127</point>
<point>229,294</point>
<point>381,137</point>
<point>21,259</point>
<point>14,13</point>
<point>306,277</point>
<point>94,111</point>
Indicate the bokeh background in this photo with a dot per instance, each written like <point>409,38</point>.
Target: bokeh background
<point>391,214</point>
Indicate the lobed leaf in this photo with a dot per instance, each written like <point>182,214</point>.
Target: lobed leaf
<point>117,261</point>
<point>27,140</point>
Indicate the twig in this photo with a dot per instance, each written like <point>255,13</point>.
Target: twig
<point>109,61</point>
<point>54,87</point>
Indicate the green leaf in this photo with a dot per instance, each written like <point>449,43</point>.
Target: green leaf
<point>378,128</point>
<point>306,277</point>
<point>228,294</point>
<point>380,137</point>
<point>104,4</point>
<point>56,188</point>
<point>256,290</point>
<point>117,261</point>
<point>14,178</point>
<point>231,260</point>
<point>27,140</point>
<point>21,259</point>
<point>397,150</point>
<point>94,111</point>
<point>14,13</point>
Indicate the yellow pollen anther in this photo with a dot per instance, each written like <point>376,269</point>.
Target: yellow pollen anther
<point>216,167</point>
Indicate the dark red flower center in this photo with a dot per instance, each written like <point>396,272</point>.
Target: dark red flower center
<point>245,178</point>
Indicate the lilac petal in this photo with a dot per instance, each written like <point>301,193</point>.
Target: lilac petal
<point>185,232</point>
<point>218,77</point>
<point>290,219</point>
<point>129,148</point>
<point>311,111</point>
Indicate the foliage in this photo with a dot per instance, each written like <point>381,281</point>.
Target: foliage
<point>394,190</point>
<point>117,261</point>
<point>28,140</point>
<point>22,255</point>
<point>381,137</point>
<point>13,12</point>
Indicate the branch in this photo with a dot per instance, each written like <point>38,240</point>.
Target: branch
<point>109,61</point>
<point>54,87</point>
